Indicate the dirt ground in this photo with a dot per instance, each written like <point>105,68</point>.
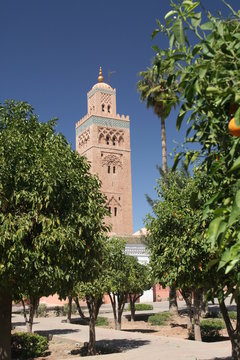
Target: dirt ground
<point>176,327</point>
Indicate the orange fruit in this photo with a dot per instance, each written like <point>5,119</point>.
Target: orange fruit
<point>233,128</point>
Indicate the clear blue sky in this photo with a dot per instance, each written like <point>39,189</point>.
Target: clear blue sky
<point>50,56</point>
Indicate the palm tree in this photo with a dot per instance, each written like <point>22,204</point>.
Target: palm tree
<point>161,94</point>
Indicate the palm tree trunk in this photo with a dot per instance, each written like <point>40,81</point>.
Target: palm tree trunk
<point>164,146</point>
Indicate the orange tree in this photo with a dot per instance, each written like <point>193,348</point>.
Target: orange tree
<point>180,250</point>
<point>51,213</point>
<point>208,77</point>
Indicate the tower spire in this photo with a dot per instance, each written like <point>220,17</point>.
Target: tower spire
<point>100,76</point>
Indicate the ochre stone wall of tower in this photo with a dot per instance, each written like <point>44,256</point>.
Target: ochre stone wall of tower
<point>103,137</point>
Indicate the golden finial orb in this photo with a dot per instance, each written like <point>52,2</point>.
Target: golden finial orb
<point>100,76</point>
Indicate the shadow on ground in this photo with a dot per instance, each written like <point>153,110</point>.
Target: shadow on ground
<point>111,346</point>
<point>55,332</point>
<point>143,331</point>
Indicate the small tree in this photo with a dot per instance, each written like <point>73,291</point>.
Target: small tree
<point>93,293</point>
<point>179,248</point>
<point>139,280</point>
<point>50,204</point>
<point>116,265</point>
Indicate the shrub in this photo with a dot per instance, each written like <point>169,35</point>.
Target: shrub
<point>160,318</point>
<point>42,310</point>
<point>65,309</point>
<point>102,321</point>
<point>211,328</point>
<point>141,307</point>
<point>232,315</point>
<point>27,346</point>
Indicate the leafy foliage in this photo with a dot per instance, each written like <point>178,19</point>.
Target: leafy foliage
<point>160,318</point>
<point>179,248</point>
<point>49,203</point>
<point>25,345</point>
<point>141,307</point>
<point>211,327</point>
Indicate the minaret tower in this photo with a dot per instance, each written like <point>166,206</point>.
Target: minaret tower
<point>103,136</point>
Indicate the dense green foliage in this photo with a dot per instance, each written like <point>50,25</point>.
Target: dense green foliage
<point>141,307</point>
<point>179,248</point>
<point>49,203</point>
<point>102,321</point>
<point>27,346</point>
<point>160,319</point>
<point>203,71</point>
<point>211,327</point>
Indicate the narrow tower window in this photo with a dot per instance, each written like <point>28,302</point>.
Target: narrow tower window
<point>109,108</point>
<point>114,169</point>
<point>107,140</point>
<point>115,211</point>
<point>114,140</point>
<point>103,107</point>
<point>109,169</point>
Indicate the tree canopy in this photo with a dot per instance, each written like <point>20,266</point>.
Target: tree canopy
<point>51,208</point>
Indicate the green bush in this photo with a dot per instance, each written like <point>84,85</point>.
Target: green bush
<point>102,321</point>
<point>27,346</point>
<point>141,307</point>
<point>160,318</point>
<point>42,310</point>
<point>65,309</point>
<point>232,315</point>
<point>211,327</point>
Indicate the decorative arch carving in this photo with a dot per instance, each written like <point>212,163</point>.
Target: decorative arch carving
<point>84,138</point>
<point>112,160</point>
<point>113,135</point>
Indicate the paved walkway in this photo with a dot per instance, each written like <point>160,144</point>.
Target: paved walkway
<point>135,345</point>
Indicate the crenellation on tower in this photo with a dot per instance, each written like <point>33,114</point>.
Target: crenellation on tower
<point>103,136</point>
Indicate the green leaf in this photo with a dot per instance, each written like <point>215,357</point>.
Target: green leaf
<point>177,29</point>
<point>207,26</point>
<point>170,13</point>
<point>216,227</point>
<point>236,165</point>
<point>235,213</point>
<point>237,117</point>
<point>154,33</point>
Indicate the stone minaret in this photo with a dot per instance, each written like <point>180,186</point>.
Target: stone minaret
<point>103,136</point>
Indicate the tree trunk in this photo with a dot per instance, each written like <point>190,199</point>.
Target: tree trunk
<point>234,335</point>
<point>164,146</point>
<point>24,311</point>
<point>36,309</point>
<point>69,314</point>
<point>173,307</point>
<point>121,303</point>
<point>197,309</point>
<point>203,304</point>
<point>113,303</point>
<point>94,304</point>
<point>91,303</point>
<point>132,299</point>
<point>187,296</point>
<point>5,324</point>
<point>32,309</point>
<point>81,314</point>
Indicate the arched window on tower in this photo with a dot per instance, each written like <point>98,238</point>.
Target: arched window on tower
<point>114,169</point>
<point>114,140</point>
<point>103,107</point>
<point>109,169</point>
<point>107,139</point>
<point>109,108</point>
<point>115,211</point>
